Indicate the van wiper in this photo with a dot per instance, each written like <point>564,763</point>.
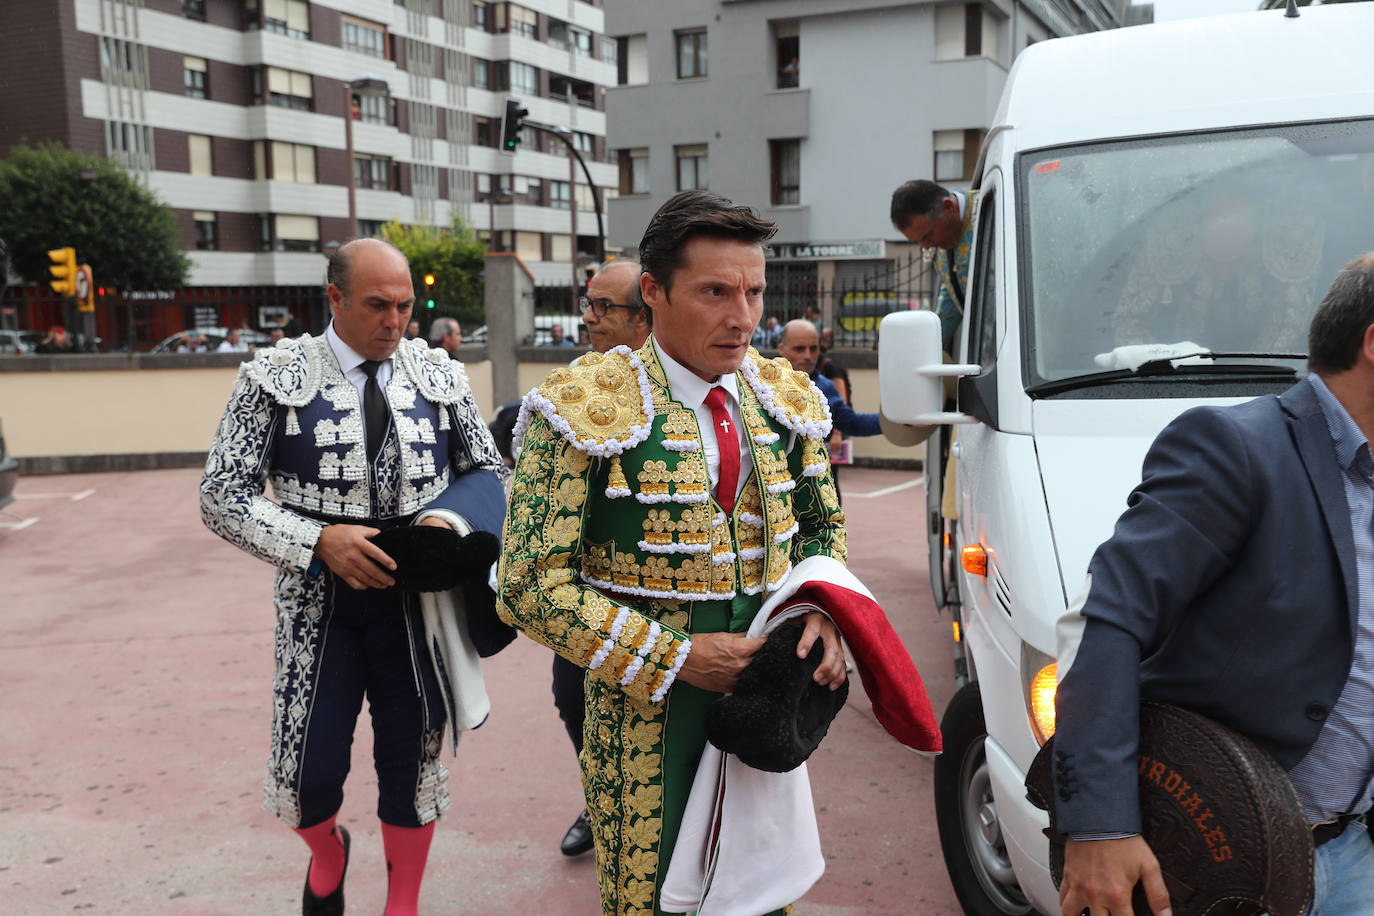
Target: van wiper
<point>1164,366</point>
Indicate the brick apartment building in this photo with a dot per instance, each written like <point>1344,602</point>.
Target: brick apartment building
<point>233,112</point>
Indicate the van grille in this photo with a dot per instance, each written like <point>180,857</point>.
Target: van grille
<point>1000,591</point>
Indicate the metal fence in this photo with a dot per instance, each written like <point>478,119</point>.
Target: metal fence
<point>852,306</point>
<point>139,321</point>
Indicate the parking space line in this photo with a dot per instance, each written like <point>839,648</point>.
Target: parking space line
<point>19,525</point>
<point>74,497</point>
<point>886,490</point>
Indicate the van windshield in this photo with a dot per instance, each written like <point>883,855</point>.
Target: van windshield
<point>1218,242</point>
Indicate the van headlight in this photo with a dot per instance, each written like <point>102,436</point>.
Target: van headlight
<point>1039,681</point>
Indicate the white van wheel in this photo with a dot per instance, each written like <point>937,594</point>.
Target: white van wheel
<point>966,812</point>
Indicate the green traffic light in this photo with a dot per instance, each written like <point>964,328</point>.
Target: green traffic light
<point>429,303</point>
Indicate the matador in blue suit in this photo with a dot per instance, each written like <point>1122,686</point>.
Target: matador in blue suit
<point>357,430</point>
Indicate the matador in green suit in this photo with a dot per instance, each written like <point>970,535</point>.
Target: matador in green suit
<point>660,495</point>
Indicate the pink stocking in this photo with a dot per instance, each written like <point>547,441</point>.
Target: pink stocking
<point>327,856</point>
<point>407,848</point>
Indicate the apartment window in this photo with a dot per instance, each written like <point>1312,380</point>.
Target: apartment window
<point>286,17</point>
<point>479,14</point>
<point>788,47</point>
<point>965,31</point>
<point>581,41</point>
<point>373,109</point>
<point>560,195</point>
<point>609,50</point>
<point>207,233</point>
<point>513,18</point>
<point>632,55</point>
<point>560,248</point>
<point>480,77</point>
<point>523,78</point>
<point>372,172</point>
<point>484,131</point>
<point>369,228</point>
<point>558,34</point>
<point>691,167</point>
<point>956,154</point>
<point>364,37</point>
<point>786,171</point>
<point>529,191</point>
<point>297,233</point>
<point>581,142</point>
<point>283,88</point>
<point>193,9</point>
<point>574,91</point>
<point>277,161</point>
<point>197,77</point>
<point>199,147</point>
<point>123,61</point>
<point>634,171</point>
<point>586,200</point>
<point>129,139</point>
<point>691,54</point>
<point>529,246</point>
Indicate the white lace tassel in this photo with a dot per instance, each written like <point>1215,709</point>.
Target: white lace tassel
<point>293,425</point>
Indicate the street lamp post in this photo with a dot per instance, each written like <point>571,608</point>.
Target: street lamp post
<point>355,91</point>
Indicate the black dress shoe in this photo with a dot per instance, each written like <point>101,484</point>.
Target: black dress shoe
<point>578,839</point>
<point>333,905</point>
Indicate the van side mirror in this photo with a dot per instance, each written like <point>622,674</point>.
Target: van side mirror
<point>912,370</point>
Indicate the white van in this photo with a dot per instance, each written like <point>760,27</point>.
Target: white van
<point>1160,209</point>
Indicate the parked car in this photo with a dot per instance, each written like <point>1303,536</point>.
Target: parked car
<point>17,343</point>
<point>213,337</point>
<point>9,472</point>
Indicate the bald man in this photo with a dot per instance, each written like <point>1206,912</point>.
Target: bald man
<point>359,430</point>
<point>801,345</point>
<point>613,309</point>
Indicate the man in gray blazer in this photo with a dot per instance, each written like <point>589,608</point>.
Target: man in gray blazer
<point>1239,583</point>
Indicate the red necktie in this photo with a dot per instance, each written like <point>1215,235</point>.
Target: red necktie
<point>727,442</point>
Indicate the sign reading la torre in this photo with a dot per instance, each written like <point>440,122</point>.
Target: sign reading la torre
<point>825,251</point>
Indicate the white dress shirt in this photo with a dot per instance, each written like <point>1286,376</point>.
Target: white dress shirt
<point>351,362</point>
<point>690,390</point>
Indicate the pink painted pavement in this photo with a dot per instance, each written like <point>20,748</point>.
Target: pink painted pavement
<point>136,668</point>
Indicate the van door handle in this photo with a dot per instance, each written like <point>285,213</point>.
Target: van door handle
<point>956,449</point>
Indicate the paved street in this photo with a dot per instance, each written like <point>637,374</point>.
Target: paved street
<point>136,667</point>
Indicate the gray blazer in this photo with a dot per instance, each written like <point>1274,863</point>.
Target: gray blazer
<point>1228,587</point>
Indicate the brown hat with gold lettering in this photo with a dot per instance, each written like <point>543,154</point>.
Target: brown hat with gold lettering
<point>1219,813</point>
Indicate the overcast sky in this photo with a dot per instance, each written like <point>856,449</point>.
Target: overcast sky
<point>1187,9</point>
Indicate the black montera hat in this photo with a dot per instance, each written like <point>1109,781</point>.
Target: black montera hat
<point>434,559</point>
<point>777,715</point>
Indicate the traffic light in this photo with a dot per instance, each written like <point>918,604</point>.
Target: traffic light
<point>63,270</point>
<point>511,121</point>
<point>429,291</point>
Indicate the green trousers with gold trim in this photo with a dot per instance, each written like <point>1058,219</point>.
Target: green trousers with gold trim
<point>638,765</point>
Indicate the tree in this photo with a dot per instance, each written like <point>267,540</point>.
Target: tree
<point>51,196</point>
<point>453,254</point>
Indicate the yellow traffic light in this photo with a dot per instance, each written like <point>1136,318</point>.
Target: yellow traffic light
<point>63,270</point>
<point>429,279</point>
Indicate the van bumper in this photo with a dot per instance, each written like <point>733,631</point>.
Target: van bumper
<point>1023,827</point>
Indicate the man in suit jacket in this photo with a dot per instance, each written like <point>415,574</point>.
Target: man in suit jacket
<point>1239,583</point>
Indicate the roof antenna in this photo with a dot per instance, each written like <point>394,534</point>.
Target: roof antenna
<point>1292,11</point>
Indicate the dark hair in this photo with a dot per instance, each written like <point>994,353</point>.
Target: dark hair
<point>916,198</point>
<point>1338,327</point>
<point>692,214</point>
